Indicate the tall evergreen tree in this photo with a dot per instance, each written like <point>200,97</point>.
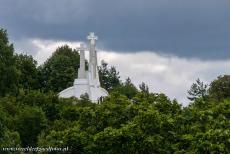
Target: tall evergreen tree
<point>198,90</point>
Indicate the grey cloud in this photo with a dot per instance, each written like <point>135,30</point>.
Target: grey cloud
<point>191,28</point>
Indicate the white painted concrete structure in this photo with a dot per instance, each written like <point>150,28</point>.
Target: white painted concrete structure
<point>87,81</point>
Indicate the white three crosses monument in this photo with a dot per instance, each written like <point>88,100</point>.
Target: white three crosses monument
<point>87,81</point>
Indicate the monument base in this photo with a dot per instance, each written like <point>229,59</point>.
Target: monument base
<point>82,86</point>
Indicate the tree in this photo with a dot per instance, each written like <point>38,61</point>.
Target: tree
<point>29,123</point>
<point>198,90</point>
<point>109,77</point>
<point>113,141</point>
<point>144,88</point>
<point>128,89</point>
<point>28,73</point>
<point>220,88</point>
<point>60,70</point>
<point>74,140</point>
<point>2,123</point>
<point>8,71</point>
<point>48,102</point>
<point>10,139</point>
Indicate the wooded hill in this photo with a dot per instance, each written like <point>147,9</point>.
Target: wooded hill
<point>130,120</point>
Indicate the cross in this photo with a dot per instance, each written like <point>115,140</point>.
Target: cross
<point>92,38</point>
<point>81,47</point>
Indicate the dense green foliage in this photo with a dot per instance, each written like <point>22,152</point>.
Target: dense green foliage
<point>29,123</point>
<point>153,124</point>
<point>59,71</point>
<point>220,88</point>
<point>127,88</point>
<point>28,73</point>
<point>109,77</point>
<point>129,120</point>
<point>8,71</point>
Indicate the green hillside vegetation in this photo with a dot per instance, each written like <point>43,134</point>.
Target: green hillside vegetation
<point>131,120</point>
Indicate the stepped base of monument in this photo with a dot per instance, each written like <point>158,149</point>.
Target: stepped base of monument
<point>81,86</point>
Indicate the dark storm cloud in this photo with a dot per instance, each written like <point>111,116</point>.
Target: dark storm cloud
<point>190,28</point>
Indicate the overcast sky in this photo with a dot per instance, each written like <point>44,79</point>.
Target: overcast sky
<point>171,42</point>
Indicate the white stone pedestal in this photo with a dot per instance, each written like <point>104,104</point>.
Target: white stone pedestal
<point>82,86</point>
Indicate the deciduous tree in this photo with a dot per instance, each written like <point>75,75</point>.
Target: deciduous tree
<point>60,70</point>
<point>220,88</point>
<point>8,72</point>
<point>28,73</point>
<point>109,77</point>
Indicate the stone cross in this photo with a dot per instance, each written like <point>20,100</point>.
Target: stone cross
<point>81,70</point>
<point>87,81</point>
<point>92,38</point>
<point>81,47</point>
<point>92,43</point>
<point>92,54</point>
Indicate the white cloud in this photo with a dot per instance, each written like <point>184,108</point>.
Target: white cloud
<point>41,49</point>
<point>167,74</point>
